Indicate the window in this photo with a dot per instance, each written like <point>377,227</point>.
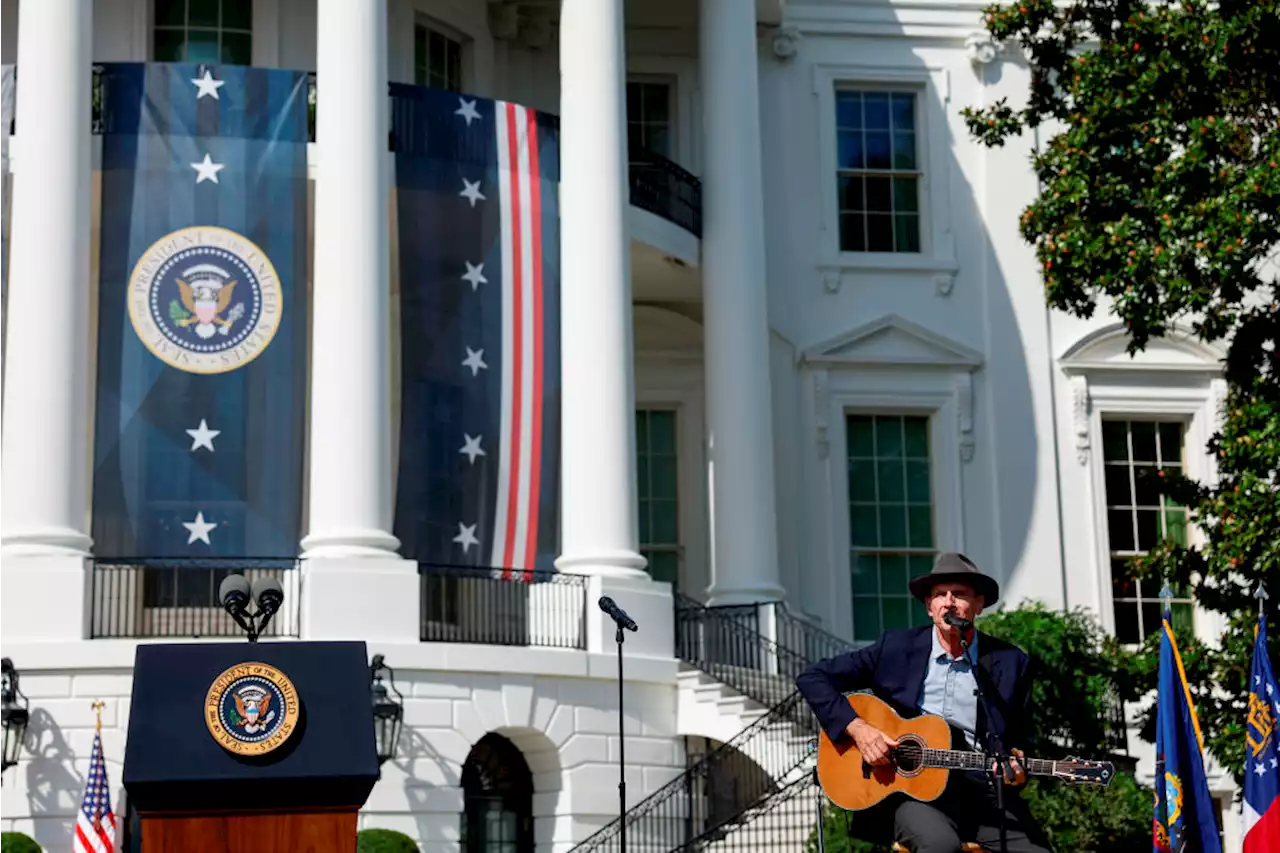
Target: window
<point>1139,516</point>
<point>497,790</point>
<point>649,117</point>
<point>658,492</point>
<point>204,31</point>
<point>891,519</point>
<point>437,59</point>
<point>877,171</point>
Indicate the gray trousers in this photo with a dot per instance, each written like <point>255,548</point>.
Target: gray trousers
<point>966,811</point>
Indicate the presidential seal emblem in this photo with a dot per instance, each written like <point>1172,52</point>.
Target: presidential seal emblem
<point>205,300</point>
<point>251,709</point>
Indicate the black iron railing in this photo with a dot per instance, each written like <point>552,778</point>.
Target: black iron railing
<point>806,639</point>
<point>469,605</point>
<point>172,597</point>
<point>721,789</point>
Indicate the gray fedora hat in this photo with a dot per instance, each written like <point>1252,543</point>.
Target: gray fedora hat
<point>952,567</point>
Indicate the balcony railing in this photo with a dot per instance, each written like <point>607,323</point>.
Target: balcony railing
<point>169,597</point>
<point>469,605</point>
<point>657,184</point>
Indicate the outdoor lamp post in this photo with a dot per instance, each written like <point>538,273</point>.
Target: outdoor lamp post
<point>388,712</point>
<point>14,714</point>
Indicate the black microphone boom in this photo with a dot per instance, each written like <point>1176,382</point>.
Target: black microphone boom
<point>619,615</point>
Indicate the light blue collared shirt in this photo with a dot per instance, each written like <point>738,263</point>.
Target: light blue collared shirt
<point>949,689</point>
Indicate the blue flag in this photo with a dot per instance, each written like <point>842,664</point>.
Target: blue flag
<point>1261,812</point>
<point>202,314</point>
<point>476,187</point>
<point>1184,814</point>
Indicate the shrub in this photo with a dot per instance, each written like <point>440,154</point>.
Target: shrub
<point>17,842</point>
<point>384,841</point>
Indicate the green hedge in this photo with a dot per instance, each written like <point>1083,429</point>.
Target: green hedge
<point>17,842</point>
<point>384,841</point>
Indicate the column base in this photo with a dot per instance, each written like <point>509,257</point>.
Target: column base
<point>616,564</point>
<point>45,542</point>
<point>649,605</point>
<point>374,599</point>
<point>723,595</point>
<point>45,597</point>
<point>347,544</point>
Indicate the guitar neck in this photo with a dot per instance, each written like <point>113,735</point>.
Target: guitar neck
<point>954,759</point>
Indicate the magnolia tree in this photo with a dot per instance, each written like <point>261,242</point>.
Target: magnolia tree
<point>1159,202</point>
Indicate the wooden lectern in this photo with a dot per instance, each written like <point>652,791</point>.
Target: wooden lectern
<point>250,747</point>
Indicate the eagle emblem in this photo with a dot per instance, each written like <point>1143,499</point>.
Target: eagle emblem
<point>204,299</point>
<point>252,708</point>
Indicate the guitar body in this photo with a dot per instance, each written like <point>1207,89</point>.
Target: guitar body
<point>854,785</point>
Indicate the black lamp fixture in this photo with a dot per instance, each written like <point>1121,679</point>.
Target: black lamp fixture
<point>388,712</point>
<point>14,715</point>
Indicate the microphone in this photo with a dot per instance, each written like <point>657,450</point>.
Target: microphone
<point>268,593</point>
<point>234,594</point>
<point>619,615</point>
<point>956,622</point>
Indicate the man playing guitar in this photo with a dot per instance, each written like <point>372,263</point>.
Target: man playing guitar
<point>925,670</point>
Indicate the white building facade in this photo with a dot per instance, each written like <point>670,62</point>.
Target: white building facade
<point>820,358</point>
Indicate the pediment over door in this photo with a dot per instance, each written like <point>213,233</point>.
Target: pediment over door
<point>888,341</point>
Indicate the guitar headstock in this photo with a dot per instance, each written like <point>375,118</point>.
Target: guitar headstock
<point>1082,772</point>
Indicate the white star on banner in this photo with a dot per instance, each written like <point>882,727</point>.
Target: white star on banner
<point>474,360</point>
<point>471,191</point>
<point>467,110</point>
<point>475,275</point>
<point>202,436</point>
<point>1260,769</point>
<point>207,170</point>
<point>199,529</point>
<point>206,85</point>
<point>466,536</point>
<point>471,447</point>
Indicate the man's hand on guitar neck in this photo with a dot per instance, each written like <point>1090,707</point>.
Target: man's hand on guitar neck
<point>1019,774</point>
<point>872,743</point>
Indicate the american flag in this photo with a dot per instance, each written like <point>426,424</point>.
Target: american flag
<point>478,236</point>
<point>96,823</point>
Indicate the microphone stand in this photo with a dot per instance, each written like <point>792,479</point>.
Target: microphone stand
<point>994,746</point>
<point>622,754</point>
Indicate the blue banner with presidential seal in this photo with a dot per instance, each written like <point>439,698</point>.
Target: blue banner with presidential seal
<point>476,191</point>
<point>202,307</point>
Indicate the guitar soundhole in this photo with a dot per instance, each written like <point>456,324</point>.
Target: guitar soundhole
<point>908,756</point>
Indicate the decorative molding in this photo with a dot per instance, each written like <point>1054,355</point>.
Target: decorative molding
<point>820,427</point>
<point>1105,349</point>
<point>944,283</point>
<point>889,341</point>
<point>785,42</point>
<point>964,414</point>
<point>982,48</point>
<point>1080,417</point>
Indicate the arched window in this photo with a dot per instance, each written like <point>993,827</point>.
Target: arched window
<point>498,798</point>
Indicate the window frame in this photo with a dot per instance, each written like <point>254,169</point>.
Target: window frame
<point>431,25</point>
<point>673,108</point>
<point>932,87</point>
<point>147,18</point>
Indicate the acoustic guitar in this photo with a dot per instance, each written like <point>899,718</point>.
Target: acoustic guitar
<point>919,765</point>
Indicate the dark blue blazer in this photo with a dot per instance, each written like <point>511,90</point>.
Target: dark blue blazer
<point>893,668</point>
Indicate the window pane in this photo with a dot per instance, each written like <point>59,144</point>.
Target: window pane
<point>664,527</point>
<point>875,106</point>
<point>920,527</point>
<point>1143,436</point>
<point>878,195</point>
<point>853,232</point>
<point>171,13</point>
<point>904,115</point>
<point>1116,479</point>
<point>888,437</point>
<point>1127,623</point>
<point>202,46</point>
<point>906,232</point>
<point>849,149</point>
<point>1122,586</point>
<point>905,197</point>
<point>662,473</point>
<point>664,566</point>
<point>877,143</point>
<point>866,574</point>
<point>1175,521</point>
<point>169,46</point>
<point>879,232</point>
<point>904,151</point>
<point>850,188</point>
<point>920,565</point>
<point>658,140</point>
<point>1115,442</point>
<point>863,526</point>
<point>657,102</point>
<point>866,618</point>
<point>1170,443</point>
<point>237,48</point>
<point>1120,529</point>
<point>1146,485</point>
<point>891,479</point>
<point>897,613</point>
<point>893,525</point>
<point>662,432</point>
<point>893,573</point>
<point>861,438</point>
<point>918,482</point>
<point>237,14</point>
<point>1148,528</point>
<point>862,481</point>
<point>848,110</point>
<point>634,101</point>
<point>202,13</point>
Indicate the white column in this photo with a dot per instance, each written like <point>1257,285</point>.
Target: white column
<point>599,531</point>
<point>350,444</point>
<point>46,431</point>
<point>355,585</point>
<point>736,332</point>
